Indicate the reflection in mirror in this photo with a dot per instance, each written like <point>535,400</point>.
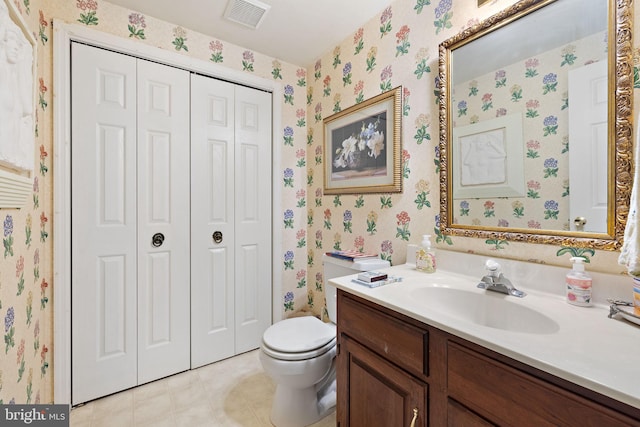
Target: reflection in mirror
<point>533,148</point>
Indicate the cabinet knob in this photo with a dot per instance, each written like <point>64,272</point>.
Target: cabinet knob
<point>415,417</point>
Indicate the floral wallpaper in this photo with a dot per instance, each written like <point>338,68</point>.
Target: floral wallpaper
<point>537,89</point>
<point>397,47</point>
<point>26,259</point>
<point>26,267</point>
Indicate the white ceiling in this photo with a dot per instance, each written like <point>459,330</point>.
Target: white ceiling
<point>295,31</point>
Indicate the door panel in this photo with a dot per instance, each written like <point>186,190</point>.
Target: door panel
<point>231,164</point>
<point>163,207</point>
<point>111,313</point>
<point>212,198</point>
<point>253,216</point>
<point>588,172</point>
<point>103,253</point>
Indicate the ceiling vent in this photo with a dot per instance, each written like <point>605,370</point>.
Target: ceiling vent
<point>249,13</point>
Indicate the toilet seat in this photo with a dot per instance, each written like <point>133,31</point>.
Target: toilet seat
<point>299,338</point>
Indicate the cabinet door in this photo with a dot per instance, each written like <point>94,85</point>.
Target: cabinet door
<point>507,396</point>
<point>374,392</point>
<point>460,416</point>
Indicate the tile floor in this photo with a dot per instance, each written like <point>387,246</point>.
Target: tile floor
<point>232,392</point>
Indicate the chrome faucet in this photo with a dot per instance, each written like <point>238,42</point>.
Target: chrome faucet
<point>494,280</point>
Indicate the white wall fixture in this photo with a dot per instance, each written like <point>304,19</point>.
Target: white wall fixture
<point>17,108</point>
<point>249,13</point>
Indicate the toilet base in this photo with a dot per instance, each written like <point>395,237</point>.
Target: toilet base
<point>295,407</point>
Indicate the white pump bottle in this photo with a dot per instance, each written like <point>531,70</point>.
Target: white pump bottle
<point>578,284</point>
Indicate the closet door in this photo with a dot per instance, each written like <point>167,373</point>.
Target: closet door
<point>231,199</point>
<point>253,216</point>
<point>130,222</point>
<point>103,211</point>
<point>212,212</point>
<point>163,221</point>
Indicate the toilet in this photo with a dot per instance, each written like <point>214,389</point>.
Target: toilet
<point>299,354</point>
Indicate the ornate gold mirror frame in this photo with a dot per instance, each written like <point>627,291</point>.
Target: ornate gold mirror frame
<point>620,131</point>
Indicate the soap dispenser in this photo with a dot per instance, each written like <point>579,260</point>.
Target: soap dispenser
<point>426,256</point>
<point>578,284</point>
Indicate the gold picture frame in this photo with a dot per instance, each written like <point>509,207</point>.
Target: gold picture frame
<point>362,148</point>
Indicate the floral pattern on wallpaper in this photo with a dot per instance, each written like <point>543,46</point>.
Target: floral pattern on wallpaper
<point>25,262</point>
<point>398,47</point>
<point>25,291</point>
<point>392,49</point>
<point>536,89</point>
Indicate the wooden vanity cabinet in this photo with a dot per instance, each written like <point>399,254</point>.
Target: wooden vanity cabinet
<point>381,394</point>
<point>382,366</point>
<point>389,364</point>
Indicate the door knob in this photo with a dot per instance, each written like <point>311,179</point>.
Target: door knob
<point>157,240</point>
<point>580,222</point>
<point>217,236</point>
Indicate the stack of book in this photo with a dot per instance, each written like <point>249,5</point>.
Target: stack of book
<point>372,276</point>
<point>351,255</point>
<point>373,279</point>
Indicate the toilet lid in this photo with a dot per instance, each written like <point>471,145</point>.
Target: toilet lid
<point>299,335</point>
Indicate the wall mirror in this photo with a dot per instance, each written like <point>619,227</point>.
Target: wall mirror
<point>535,124</point>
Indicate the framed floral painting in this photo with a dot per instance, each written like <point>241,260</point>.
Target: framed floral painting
<point>362,150</point>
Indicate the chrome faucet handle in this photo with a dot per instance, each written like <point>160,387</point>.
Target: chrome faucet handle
<point>493,268</point>
<point>495,281</point>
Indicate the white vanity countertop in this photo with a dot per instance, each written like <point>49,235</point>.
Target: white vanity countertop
<point>588,349</point>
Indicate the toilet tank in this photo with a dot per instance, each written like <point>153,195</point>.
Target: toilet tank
<point>333,267</point>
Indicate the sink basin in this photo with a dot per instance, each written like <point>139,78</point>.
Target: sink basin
<point>490,309</point>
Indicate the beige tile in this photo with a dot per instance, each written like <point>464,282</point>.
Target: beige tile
<point>81,414</point>
<point>150,390</point>
<point>164,421</point>
<point>120,419</point>
<point>183,379</point>
<point>242,415</point>
<point>189,395</point>
<point>116,403</point>
<point>152,408</point>
<point>231,393</point>
<point>263,412</point>
<point>257,388</point>
<point>196,415</point>
<point>328,421</point>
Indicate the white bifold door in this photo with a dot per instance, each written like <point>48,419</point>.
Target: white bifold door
<point>130,222</point>
<point>230,219</point>
<point>171,220</point>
